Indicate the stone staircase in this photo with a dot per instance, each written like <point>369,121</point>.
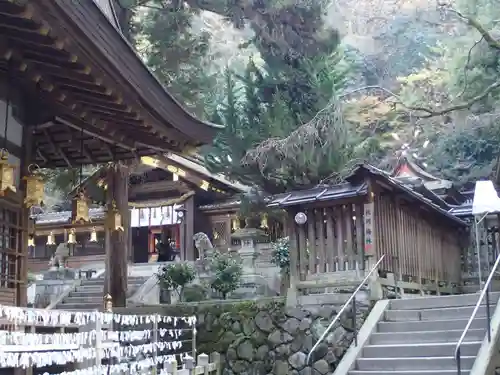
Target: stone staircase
<point>89,294</point>
<point>418,337</point>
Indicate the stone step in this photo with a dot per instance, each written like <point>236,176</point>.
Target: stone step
<point>436,325</point>
<point>413,364</point>
<point>90,288</point>
<point>438,313</point>
<point>83,294</point>
<point>79,306</point>
<point>420,350</point>
<point>458,300</point>
<point>83,300</point>
<point>100,281</point>
<point>381,338</point>
<point>416,372</point>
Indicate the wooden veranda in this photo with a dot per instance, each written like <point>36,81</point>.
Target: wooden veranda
<point>336,232</point>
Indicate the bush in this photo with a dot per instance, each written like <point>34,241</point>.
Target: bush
<point>195,293</point>
<point>175,276</point>
<point>227,273</point>
<point>281,254</point>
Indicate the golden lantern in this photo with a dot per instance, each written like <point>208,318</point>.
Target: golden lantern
<point>263,222</point>
<point>114,218</point>
<point>205,185</point>
<point>72,237</point>
<point>6,174</point>
<point>235,224</point>
<point>93,235</point>
<point>80,209</point>
<point>31,241</point>
<point>35,187</point>
<point>51,239</point>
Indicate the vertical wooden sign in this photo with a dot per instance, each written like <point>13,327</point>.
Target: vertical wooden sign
<point>369,229</point>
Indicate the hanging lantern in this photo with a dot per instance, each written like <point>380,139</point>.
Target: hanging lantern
<point>35,187</point>
<point>93,235</point>
<point>235,224</point>
<point>113,218</point>
<point>31,241</point>
<point>108,303</point>
<point>80,210</point>
<point>6,174</point>
<point>72,237</point>
<point>263,222</point>
<point>51,240</point>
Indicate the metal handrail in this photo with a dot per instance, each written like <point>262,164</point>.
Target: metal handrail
<point>484,292</point>
<point>352,299</point>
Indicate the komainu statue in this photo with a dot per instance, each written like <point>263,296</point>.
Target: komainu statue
<point>203,245</point>
<point>205,250</point>
<point>60,256</point>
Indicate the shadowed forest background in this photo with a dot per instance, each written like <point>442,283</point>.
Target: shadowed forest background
<point>307,88</point>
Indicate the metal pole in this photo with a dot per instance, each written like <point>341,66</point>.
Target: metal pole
<point>478,252</point>
<point>488,317</point>
<point>354,321</point>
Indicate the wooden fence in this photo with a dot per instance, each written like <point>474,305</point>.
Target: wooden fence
<point>339,241</point>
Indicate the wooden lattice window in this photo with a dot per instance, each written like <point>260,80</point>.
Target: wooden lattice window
<point>10,247</point>
<point>220,233</point>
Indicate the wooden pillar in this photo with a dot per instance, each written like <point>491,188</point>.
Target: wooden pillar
<point>129,235</point>
<point>372,227</point>
<point>22,260</point>
<point>117,242</point>
<point>189,228</point>
<point>291,295</point>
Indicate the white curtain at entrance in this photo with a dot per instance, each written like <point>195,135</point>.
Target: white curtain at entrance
<point>134,218</point>
<point>156,216</point>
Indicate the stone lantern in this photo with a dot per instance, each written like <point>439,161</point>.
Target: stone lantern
<point>248,250</point>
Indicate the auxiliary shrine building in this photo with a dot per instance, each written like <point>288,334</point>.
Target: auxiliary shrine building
<point>170,198</point>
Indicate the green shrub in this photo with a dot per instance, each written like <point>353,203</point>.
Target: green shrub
<point>176,276</point>
<point>227,273</point>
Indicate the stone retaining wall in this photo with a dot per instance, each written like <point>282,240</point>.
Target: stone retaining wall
<point>262,339</point>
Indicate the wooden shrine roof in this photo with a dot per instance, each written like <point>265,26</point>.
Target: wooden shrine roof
<point>355,186</point>
<point>78,75</point>
<point>192,177</point>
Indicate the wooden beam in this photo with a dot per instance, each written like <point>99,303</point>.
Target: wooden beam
<point>61,97</point>
<point>149,187</point>
<point>83,149</point>
<point>56,148</point>
<point>41,155</point>
<point>79,124</point>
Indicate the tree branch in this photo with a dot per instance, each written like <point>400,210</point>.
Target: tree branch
<point>429,112</point>
<point>487,36</point>
<point>423,112</point>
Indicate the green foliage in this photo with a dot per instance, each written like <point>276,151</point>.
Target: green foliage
<point>227,273</point>
<point>281,254</point>
<point>464,143</point>
<point>466,154</point>
<point>195,293</point>
<point>175,54</point>
<point>176,276</point>
<point>266,104</point>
